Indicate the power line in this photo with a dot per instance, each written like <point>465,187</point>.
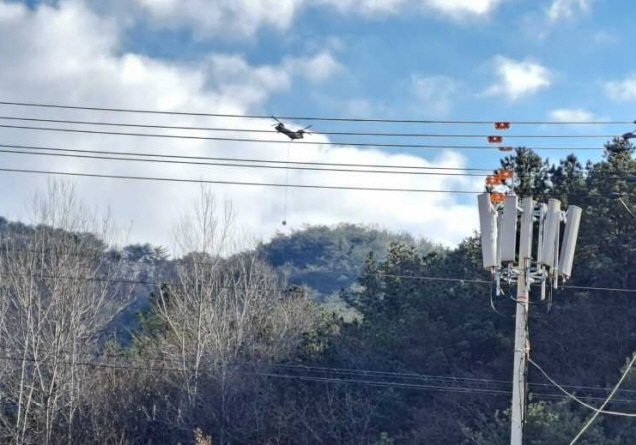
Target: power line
<point>259,184</point>
<point>177,159</point>
<point>627,207</point>
<point>279,167</point>
<point>272,141</point>
<point>609,398</point>
<point>264,161</point>
<point>328,133</point>
<point>101,365</point>
<point>163,281</point>
<point>603,289</point>
<point>597,411</point>
<point>305,118</point>
<point>241,162</point>
<point>316,369</point>
<point>360,275</point>
<point>386,384</point>
<point>417,376</point>
<point>204,263</point>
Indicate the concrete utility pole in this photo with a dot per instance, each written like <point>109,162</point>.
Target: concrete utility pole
<point>521,324</point>
<point>498,221</point>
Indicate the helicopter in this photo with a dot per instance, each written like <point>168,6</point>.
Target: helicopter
<point>292,135</point>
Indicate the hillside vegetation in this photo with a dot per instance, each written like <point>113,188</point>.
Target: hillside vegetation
<point>127,346</point>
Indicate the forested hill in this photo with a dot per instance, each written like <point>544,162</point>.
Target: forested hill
<point>223,348</point>
<point>329,259</point>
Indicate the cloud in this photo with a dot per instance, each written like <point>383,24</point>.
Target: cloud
<point>462,8</point>
<point>567,9</point>
<point>243,18</point>
<point>572,115</point>
<point>622,90</point>
<point>517,79</point>
<point>435,93</point>
<point>316,69</point>
<point>232,18</point>
<point>449,8</point>
<point>67,54</point>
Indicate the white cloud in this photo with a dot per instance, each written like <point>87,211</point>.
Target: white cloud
<point>243,18</point>
<point>622,90</point>
<point>318,68</point>
<point>517,79</point>
<point>568,9</point>
<point>457,8</point>
<point>572,115</point>
<point>70,55</point>
<point>232,18</point>
<point>435,93</point>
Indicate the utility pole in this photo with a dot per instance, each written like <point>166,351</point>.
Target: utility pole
<point>498,218</point>
<point>521,324</point>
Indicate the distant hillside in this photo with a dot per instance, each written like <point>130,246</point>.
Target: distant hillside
<point>324,259</point>
<point>328,259</point>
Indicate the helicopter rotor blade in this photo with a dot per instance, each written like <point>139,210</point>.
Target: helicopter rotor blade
<point>274,117</point>
<point>308,127</point>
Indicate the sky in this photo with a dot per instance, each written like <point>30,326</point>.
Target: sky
<point>485,60</point>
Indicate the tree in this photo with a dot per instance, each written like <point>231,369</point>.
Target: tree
<point>57,300</point>
<point>547,424</point>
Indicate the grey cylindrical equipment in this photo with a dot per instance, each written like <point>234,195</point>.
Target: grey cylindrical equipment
<point>500,233</point>
<point>525,235</point>
<point>508,229</point>
<point>568,245</point>
<point>551,228</point>
<point>543,209</point>
<point>488,228</point>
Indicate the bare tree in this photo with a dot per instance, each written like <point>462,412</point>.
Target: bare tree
<point>226,316</point>
<point>57,298</point>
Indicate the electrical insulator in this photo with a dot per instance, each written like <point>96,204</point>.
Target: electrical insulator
<point>495,139</point>
<point>497,198</point>
<point>505,148</point>
<point>505,174</point>
<point>492,181</point>
<point>502,125</point>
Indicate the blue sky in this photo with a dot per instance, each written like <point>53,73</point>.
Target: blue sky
<point>417,59</point>
<point>583,44</point>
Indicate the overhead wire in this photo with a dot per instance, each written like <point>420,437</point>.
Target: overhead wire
<point>273,141</point>
<point>290,367</point>
<point>112,156</point>
<point>320,379</point>
<point>303,118</point>
<point>204,263</point>
<point>627,207</point>
<point>328,133</point>
<point>127,156</point>
<point>101,365</point>
<point>242,183</point>
<point>167,282</point>
<point>362,274</point>
<point>579,401</point>
<point>252,160</point>
<point>601,289</point>
<point>609,398</point>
